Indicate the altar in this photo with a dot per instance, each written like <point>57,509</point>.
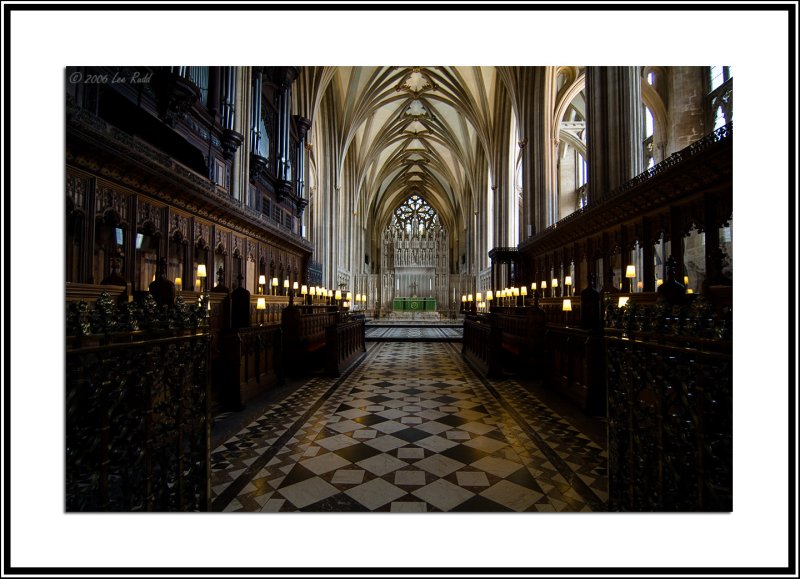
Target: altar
<point>414,305</point>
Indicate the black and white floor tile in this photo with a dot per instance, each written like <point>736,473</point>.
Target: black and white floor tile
<point>410,429</point>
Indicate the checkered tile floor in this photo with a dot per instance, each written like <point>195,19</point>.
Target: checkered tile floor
<point>411,429</point>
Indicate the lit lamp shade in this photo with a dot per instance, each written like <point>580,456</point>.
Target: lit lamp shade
<point>544,285</point>
<point>178,283</point>
<point>469,297</point>
<point>330,293</point>
<point>515,292</point>
<point>479,297</point>
<point>286,283</point>
<point>630,271</point>
<point>533,287</point>
<point>523,290</point>
<point>338,295</point>
<point>639,284</point>
<point>201,270</point>
<point>349,296</point>
<point>622,302</point>
<point>261,304</point>
<point>295,286</point>
<point>566,306</point>
<point>686,280</point>
<point>463,298</point>
<point>313,291</point>
<point>555,282</point>
<point>659,282</point>
<point>489,296</point>
<point>274,282</point>
<point>262,280</point>
<point>568,280</point>
<point>689,291</point>
<point>304,290</point>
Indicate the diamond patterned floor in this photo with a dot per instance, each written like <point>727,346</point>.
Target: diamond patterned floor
<point>410,429</point>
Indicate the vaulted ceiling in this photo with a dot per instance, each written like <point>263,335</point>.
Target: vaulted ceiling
<point>412,130</point>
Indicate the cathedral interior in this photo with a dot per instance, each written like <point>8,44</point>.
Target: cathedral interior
<point>397,292</point>
<point>399,289</point>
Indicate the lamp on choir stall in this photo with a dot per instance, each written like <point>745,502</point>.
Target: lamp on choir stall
<point>554,285</point>
<point>330,297</point>
<point>261,305</point>
<point>659,281</point>
<point>178,284</point>
<point>349,297</point>
<point>463,302</point>
<point>201,273</point>
<point>262,281</point>
<point>622,301</point>
<point>630,273</point>
<point>568,285</point>
<point>544,287</point>
<point>489,298</point>
<point>566,307</point>
<point>515,295</point>
<point>689,290</point>
<point>304,292</point>
<point>274,286</point>
<point>295,287</point>
<point>286,287</point>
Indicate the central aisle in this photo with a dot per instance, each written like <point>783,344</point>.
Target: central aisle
<point>411,429</point>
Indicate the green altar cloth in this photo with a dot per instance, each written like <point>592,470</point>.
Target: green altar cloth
<point>415,304</point>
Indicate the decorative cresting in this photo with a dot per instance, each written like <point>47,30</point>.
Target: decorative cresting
<point>414,261</point>
<point>670,371</point>
<point>137,407</point>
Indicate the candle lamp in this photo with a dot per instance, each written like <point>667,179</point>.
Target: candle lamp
<point>261,305</point>
<point>201,273</point>
<point>630,273</point>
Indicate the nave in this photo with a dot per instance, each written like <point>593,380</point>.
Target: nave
<point>411,428</point>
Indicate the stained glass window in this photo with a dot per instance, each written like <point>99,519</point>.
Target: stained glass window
<point>416,213</point>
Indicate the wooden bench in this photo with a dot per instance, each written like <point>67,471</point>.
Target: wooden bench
<point>305,337</point>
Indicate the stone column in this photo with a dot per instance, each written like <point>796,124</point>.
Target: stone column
<point>614,127</point>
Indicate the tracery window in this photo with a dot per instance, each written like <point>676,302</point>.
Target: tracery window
<point>415,215</point>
